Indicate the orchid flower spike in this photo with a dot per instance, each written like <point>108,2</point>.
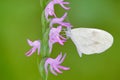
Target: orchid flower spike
<point>54,36</point>
<point>35,45</point>
<point>60,21</point>
<point>55,64</point>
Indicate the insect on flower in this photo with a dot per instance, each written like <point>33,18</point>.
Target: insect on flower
<point>90,40</point>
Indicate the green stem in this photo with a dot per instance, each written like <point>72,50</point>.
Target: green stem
<point>45,47</point>
<point>42,70</point>
<point>43,22</point>
<point>44,43</point>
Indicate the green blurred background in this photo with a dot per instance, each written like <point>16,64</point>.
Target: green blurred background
<point>20,20</point>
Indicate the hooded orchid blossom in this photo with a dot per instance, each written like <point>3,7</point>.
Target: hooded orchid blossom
<point>49,10</point>
<point>55,64</point>
<point>54,36</point>
<point>60,21</point>
<point>35,45</point>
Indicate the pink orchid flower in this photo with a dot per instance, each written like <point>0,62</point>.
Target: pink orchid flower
<point>54,36</point>
<point>35,45</point>
<point>60,21</point>
<point>49,10</point>
<point>55,64</point>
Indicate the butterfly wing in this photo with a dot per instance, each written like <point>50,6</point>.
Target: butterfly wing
<point>90,40</point>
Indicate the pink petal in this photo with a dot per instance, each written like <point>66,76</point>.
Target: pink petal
<point>59,57</point>
<point>59,40</point>
<point>50,46</point>
<point>46,67</point>
<point>65,2</point>
<point>52,71</point>
<point>62,59</point>
<point>59,28</point>
<point>30,42</point>
<point>56,69</point>
<point>63,17</point>
<point>30,52</point>
<point>63,67</point>
<point>64,7</point>
<point>65,24</point>
<point>39,49</point>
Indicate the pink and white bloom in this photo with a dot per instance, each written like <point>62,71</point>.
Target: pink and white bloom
<point>55,64</point>
<point>54,36</point>
<point>35,45</point>
<point>49,10</point>
<point>60,21</point>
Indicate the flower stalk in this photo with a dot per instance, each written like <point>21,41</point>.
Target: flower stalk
<point>50,36</point>
<point>45,47</point>
<point>44,76</point>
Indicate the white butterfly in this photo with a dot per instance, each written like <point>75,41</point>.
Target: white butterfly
<point>90,40</point>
